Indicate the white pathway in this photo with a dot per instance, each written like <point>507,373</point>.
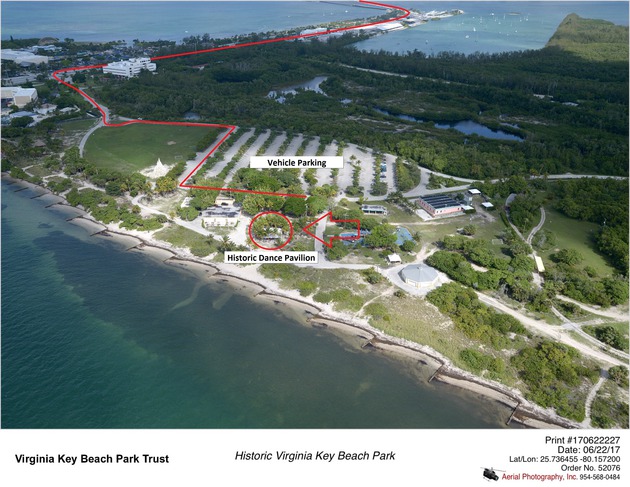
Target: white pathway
<point>190,165</point>
<point>324,176</point>
<point>390,179</point>
<point>230,153</point>
<point>367,171</point>
<point>554,332</point>
<point>294,145</point>
<point>589,401</point>
<point>272,150</point>
<point>251,151</point>
<point>535,230</point>
<point>616,314</point>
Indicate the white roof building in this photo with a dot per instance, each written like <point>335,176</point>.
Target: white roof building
<point>19,96</point>
<point>394,258</point>
<point>20,57</point>
<point>131,68</point>
<point>374,210</point>
<point>220,216</point>
<point>389,26</point>
<point>319,30</point>
<point>419,275</point>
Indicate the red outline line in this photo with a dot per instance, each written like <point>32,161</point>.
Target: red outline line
<point>230,127</point>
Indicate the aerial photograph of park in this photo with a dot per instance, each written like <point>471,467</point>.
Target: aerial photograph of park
<point>325,215</point>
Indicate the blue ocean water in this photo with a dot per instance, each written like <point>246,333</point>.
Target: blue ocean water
<point>485,27</point>
<point>107,21</point>
<point>491,27</point>
<point>94,336</point>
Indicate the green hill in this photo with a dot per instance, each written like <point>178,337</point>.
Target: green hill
<point>596,40</point>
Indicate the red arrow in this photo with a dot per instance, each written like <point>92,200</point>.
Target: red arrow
<point>330,242</point>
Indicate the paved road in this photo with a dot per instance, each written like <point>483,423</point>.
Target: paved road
<point>91,131</point>
<point>101,123</point>
<point>535,230</point>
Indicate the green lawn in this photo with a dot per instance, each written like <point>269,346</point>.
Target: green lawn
<point>575,234</point>
<point>39,171</point>
<point>395,214</point>
<point>138,146</point>
<point>77,127</point>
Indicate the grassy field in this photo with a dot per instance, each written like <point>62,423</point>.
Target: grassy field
<point>72,127</point>
<point>39,171</point>
<point>73,130</point>
<point>185,238</point>
<point>395,214</point>
<point>414,319</point>
<point>347,290</point>
<point>137,146</point>
<point>575,234</point>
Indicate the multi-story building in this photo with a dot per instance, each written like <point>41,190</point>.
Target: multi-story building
<point>18,96</point>
<point>131,68</point>
<point>22,57</point>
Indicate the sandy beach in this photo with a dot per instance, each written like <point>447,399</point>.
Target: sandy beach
<point>246,279</point>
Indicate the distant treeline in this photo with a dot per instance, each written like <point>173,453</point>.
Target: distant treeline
<point>490,89</point>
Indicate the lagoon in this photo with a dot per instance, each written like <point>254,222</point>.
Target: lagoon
<point>491,27</point>
<point>468,127</point>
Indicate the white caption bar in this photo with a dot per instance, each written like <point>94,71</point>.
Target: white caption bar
<point>271,257</point>
<point>275,162</point>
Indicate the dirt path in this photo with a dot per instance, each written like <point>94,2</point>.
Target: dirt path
<point>589,402</point>
<point>551,331</point>
<point>608,313</point>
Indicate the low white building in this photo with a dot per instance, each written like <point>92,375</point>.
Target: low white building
<point>20,57</point>
<point>390,26</point>
<point>18,96</point>
<point>419,275</point>
<point>46,109</point>
<point>131,68</point>
<point>220,216</point>
<point>374,210</point>
<point>223,200</point>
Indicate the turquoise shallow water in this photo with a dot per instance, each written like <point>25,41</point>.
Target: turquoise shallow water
<point>96,337</point>
<point>491,27</point>
<point>107,21</point>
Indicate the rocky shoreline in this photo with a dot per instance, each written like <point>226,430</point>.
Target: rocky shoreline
<point>246,279</point>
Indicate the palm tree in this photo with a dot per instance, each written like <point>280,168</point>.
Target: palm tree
<point>226,244</point>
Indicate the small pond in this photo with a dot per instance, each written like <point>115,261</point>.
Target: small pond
<point>467,127</point>
<point>310,85</point>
